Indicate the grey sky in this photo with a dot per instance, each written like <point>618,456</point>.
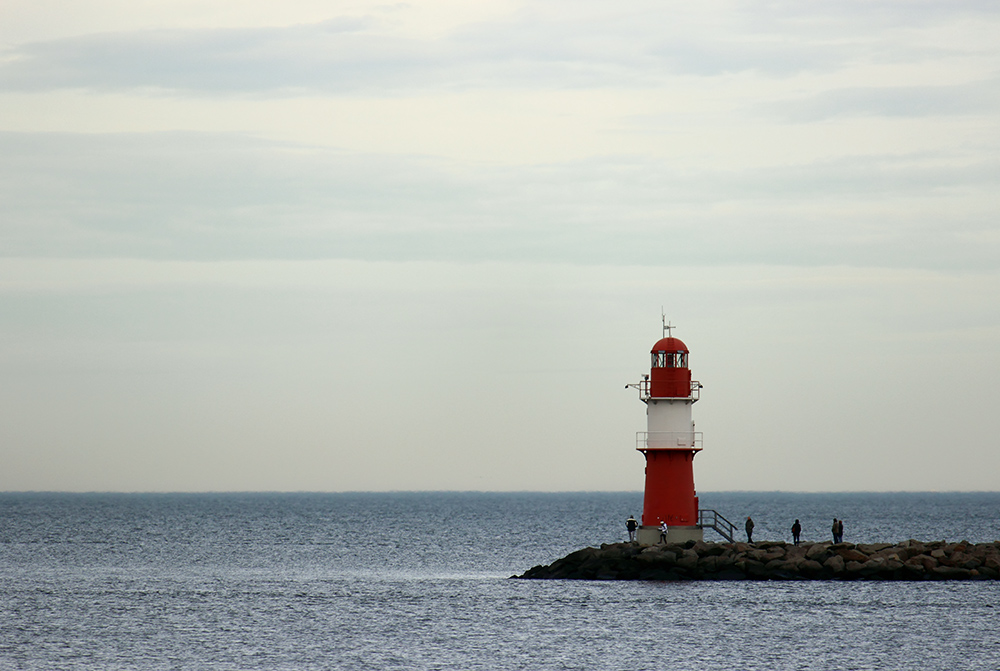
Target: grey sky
<point>362,246</point>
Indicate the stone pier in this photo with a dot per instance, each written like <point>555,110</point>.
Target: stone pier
<point>769,560</point>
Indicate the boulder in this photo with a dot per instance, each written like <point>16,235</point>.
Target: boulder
<point>779,564</point>
<point>992,574</point>
<point>782,569</point>
<point>724,563</point>
<point>708,564</point>
<point>850,554</point>
<point>772,554</point>
<point>950,573</point>
<point>658,557</point>
<point>688,560</point>
<point>835,564</point>
<point>708,549</point>
<point>816,550</point>
<point>872,566</point>
<point>959,557</point>
<point>982,552</point>
<point>892,552</point>
<point>796,551</point>
<point>913,571</point>
<point>891,565</point>
<point>853,568</point>
<point>810,568</point>
<point>752,569</point>
<point>818,553</point>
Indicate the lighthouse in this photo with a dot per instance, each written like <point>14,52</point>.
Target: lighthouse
<point>669,443</point>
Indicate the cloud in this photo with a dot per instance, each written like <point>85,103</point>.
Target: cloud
<point>551,44</point>
<point>980,97</point>
<point>208,196</point>
<point>334,55</point>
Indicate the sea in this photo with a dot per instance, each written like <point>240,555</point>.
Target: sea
<point>421,580</point>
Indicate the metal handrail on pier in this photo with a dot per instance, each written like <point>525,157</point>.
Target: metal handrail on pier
<point>712,520</point>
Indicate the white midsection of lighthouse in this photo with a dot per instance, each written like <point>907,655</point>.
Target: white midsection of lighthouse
<point>668,423</point>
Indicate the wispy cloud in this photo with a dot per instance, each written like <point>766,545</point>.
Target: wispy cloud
<point>980,97</point>
<point>191,196</point>
<point>552,45</point>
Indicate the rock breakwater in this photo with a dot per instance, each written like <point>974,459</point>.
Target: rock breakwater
<point>768,560</point>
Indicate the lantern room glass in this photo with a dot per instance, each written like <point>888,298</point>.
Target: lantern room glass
<point>670,359</point>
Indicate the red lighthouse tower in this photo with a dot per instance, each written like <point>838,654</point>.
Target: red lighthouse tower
<point>669,443</point>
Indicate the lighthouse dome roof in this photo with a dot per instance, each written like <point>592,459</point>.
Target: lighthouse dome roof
<point>669,345</point>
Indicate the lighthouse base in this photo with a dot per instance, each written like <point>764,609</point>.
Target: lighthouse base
<point>651,535</point>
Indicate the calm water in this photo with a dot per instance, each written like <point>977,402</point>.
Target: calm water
<point>418,581</point>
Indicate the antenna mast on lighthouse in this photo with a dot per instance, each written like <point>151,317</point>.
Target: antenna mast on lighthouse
<point>666,326</point>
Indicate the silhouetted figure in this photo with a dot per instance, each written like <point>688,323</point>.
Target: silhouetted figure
<point>749,528</point>
<point>631,525</point>
<point>836,530</point>
<point>796,530</point>
<point>840,531</point>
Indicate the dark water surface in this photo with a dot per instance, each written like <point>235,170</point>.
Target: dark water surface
<point>418,581</point>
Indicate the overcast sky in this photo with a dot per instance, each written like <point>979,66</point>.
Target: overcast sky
<point>329,246</point>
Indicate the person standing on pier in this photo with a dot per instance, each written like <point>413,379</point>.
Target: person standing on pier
<point>749,528</point>
<point>796,530</point>
<point>836,530</point>
<point>631,525</point>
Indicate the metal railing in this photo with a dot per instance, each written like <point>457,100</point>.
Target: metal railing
<point>643,388</point>
<point>712,520</point>
<point>665,440</point>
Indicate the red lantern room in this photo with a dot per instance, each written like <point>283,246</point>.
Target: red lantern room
<point>669,375</point>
